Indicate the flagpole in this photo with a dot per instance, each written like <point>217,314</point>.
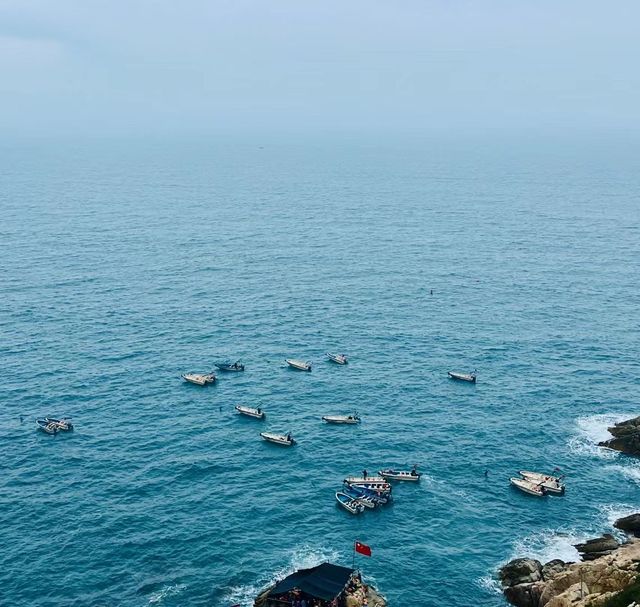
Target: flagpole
<point>353,564</point>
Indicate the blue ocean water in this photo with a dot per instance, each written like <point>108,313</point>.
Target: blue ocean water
<point>125,264</point>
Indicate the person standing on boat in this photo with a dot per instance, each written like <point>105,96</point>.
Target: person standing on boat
<point>364,474</point>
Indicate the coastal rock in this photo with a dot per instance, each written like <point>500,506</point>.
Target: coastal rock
<point>584,584</point>
<point>597,546</point>
<point>626,437</point>
<point>521,571</point>
<point>523,595</point>
<point>552,568</point>
<point>629,524</point>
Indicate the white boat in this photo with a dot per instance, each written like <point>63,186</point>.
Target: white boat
<point>551,484</point>
<point>530,487</point>
<point>199,379</point>
<point>51,425</point>
<point>471,377</point>
<point>348,503</point>
<point>279,439</point>
<point>342,419</point>
<point>400,475</point>
<point>368,480</point>
<point>301,365</point>
<point>341,359</point>
<point>250,411</point>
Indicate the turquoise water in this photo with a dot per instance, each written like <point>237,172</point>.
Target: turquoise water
<point>126,264</point>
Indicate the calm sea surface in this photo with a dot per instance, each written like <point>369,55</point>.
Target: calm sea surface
<point>123,265</point>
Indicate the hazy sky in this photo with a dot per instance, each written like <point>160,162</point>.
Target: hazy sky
<point>196,66</point>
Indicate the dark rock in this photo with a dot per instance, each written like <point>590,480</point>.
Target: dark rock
<point>606,543</point>
<point>523,595</point>
<point>550,569</point>
<point>630,524</point>
<point>626,437</point>
<point>520,571</point>
<point>592,556</point>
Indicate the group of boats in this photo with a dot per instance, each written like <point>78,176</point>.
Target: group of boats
<point>51,425</point>
<point>538,483</point>
<point>286,439</point>
<point>305,365</point>
<point>360,493</point>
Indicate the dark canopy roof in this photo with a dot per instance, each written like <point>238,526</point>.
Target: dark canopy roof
<point>324,582</point>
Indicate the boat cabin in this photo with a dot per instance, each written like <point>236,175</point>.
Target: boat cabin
<point>325,585</point>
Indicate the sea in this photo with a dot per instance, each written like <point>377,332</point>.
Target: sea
<point>125,263</point>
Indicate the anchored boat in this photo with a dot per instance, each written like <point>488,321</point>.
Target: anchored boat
<point>551,484</point>
<point>530,487</point>
<point>470,377</point>
<point>199,379</point>
<point>342,419</point>
<point>250,411</point>
<point>279,439</point>
<point>376,496</point>
<point>51,425</point>
<point>401,475</point>
<point>365,500</point>
<point>341,359</point>
<point>348,503</point>
<point>301,365</point>
<point>229,366</point>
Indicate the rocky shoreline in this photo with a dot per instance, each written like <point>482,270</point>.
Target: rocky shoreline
<point>607,576</point>
<point>626,437</point>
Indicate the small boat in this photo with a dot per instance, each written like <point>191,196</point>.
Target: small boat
<point>341,359</point>
<point>401,475</point>
<point>342,419</point>
<point>301,365</point>
<point>279,439</point>
<point>199,379</point>
<point>364,499</point>
<point>551,484</point>
<point>51,425</point>
<point>348,503</point>
<point>471,377</point>
<point>250,411</point>
<point>365,480</point>
<point>378,486</point>
<point>229,366</point>
<point>378,497</point>
<point>530,487</point>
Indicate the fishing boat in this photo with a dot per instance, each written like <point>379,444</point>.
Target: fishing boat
<point>365,500</point>
<point>348,503</point>
<point>378,497</point>
<point>341,359</point>
<point>401,475</point>
<point>342,419</point>
<point>377,486</point>
<point>279,439</point>
<point>51,425</point>
<point>199,379</point>
<point>365,480</point>
<point>229,366</point>
<point>250,411</point>
<point>551,484</point>
<point>530,487</point>
<point>471,377</point>
<point>301,365</point>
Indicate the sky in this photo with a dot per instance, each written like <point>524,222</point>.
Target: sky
<point>207,66</point>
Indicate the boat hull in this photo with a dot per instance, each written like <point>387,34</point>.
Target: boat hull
<point>400,476</point>
<point>339,359</point>
<point>339,419</point>
<point>468,377</point>
<point>551,484</point>
<point>278,439</point>
<point>348,503</point>
<point>249,412</point>
<point>527,487</point>
<point>299,365</point>
<point>199,379</point>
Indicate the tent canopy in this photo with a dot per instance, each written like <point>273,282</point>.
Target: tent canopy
<point>326,581</point>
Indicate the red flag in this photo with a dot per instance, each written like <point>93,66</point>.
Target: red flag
<point>362,549</point>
